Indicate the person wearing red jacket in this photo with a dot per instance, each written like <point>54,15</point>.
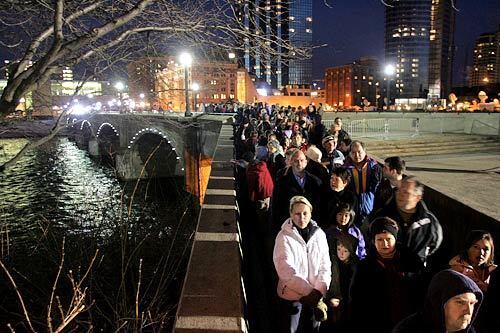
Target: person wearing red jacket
<point>260,188</point>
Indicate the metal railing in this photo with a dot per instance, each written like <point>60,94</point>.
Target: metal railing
<point>413,126</point>
<point>380,127</point>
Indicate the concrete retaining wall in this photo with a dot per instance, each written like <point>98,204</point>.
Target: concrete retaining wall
<point>458,220</point>
<point>469,123</point>
<point>213,297</point>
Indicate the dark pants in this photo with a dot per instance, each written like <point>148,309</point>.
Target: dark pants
<point>297,318</point>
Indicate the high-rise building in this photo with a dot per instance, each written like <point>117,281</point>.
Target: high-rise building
<point>279,31</point>
<point>419,43</point>
<point>350,84</point>
<point>441,37</point>
<point>486,60</point>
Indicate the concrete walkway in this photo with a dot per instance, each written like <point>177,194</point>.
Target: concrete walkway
<point>472,178</point>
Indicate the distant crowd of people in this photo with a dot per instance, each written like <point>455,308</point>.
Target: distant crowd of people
<point>353,243</point>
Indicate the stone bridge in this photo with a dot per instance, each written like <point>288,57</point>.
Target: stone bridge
<point>147,146</point>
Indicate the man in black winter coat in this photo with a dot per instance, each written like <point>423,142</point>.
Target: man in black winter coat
<point>419,230</point>
<point>295,181</point>
<point>451,305</point>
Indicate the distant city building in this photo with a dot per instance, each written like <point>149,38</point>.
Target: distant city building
<point>63,74</point>
<point>419,43</point>
<point>350,84</point>
<point>142,75</point>
<point>441,37</point>
<point>57,92</point>
<point>218,81</point>
<point>486,60</point>
<point>287,27</point>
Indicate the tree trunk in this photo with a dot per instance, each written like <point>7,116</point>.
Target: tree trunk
<point>6,108</point>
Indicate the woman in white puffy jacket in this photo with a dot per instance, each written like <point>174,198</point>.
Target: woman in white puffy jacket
<point>302,261</point>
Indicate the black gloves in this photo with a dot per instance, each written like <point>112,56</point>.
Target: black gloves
<point>312,299</point>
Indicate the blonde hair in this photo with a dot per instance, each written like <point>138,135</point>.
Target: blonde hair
<point>298,199</point>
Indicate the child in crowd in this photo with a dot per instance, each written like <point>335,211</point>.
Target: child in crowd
<point>344,224</point>
<point>476,259</point>
<point>344,261</point>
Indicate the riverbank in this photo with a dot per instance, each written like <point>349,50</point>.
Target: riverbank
<point>17,129</point>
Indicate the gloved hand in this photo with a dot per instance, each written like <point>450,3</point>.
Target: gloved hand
<point>312,299</point>
<point>320,311</point>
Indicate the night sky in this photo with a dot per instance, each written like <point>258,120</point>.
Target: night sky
<point>355,28</point>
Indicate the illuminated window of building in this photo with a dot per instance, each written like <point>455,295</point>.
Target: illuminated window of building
<point>223,96</point>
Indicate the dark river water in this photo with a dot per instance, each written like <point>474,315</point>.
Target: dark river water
<point>62,211</point>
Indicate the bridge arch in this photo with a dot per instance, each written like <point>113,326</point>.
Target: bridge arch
<point>102,129</point>
<point>86,122</point>
<point>157,151</point>
<point>108,142</point>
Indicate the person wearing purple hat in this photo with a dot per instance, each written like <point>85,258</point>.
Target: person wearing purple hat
<point>451,305</point>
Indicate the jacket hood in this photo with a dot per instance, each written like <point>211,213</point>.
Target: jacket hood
<point>259,165</point>
<point>445,285</point>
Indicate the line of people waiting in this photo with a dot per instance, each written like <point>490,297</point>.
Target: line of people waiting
<point>353,241</point>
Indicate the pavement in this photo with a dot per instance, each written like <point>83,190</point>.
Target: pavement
<point>471,178</point>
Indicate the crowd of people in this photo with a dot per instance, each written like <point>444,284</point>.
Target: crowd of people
<point>352,240</point>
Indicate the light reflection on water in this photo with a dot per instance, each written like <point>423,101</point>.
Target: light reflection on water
<point>58,188</point>
<point>58,182</point>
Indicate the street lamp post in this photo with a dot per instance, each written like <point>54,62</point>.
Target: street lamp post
<point>186,59</point>
<point>119,86</point>
<point>195,87</point>
<point>389,71</point>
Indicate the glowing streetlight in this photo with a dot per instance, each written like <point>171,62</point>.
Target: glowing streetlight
<point>141,96</point>
<point>119,86</point>
<point>231,55</point>
<point>389,71</point>
<point>196,87</point>
<point>186,60</point>
<point>486,80</point>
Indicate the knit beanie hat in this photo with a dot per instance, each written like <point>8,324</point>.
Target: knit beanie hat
<point>314,154</point>
<point>261,153</point>
<point>384,224</point>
